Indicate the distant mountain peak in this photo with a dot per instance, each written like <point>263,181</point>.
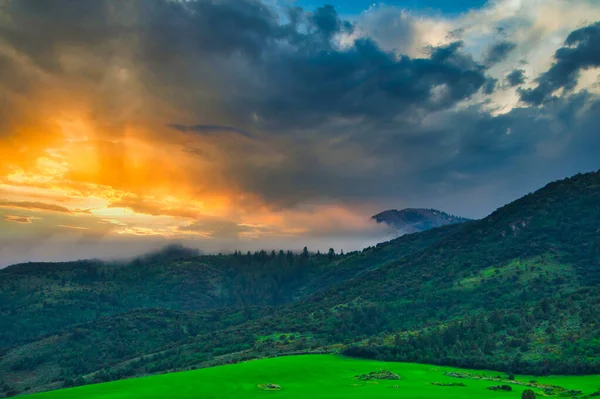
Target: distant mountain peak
<point>413,220</point>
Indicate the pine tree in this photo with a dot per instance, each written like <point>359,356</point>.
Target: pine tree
<point>331,254</point>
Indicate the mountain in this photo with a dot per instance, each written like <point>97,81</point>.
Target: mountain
<point>37,299</point>
<point>517,291</point>
<point>140,316</point>
<point>414,220</point>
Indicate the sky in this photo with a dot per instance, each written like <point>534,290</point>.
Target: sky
<point>247,124</point>
<point>351,8</point>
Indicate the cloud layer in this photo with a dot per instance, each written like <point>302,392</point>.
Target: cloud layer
<point>240,124</point>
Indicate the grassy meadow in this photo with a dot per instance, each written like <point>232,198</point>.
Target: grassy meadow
<point>315,377</point>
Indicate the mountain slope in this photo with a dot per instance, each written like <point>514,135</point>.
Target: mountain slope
<point>52,312</point>
<point>42,298</point>
<point>517,291</point>
<point>414,220</point>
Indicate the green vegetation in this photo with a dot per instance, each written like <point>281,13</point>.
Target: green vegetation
<point>528,394</point>
<point>449,384</point>
<point>378,375</point>
<point>520,271</point>
<point>547,389</point>
<point>518,292</point>
<point>269,387</point>
<point>315,376</point>
<point>505,388</point>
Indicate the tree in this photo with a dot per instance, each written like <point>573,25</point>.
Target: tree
<point>528,394</point>
<point>331,253</point>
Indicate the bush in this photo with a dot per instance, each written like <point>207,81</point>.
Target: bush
<point>506,388</point>
<point>528,394</point>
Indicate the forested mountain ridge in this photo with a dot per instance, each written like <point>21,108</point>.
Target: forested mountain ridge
<point>52,312</point>
<point>41,298</point>
<point>516,291</point>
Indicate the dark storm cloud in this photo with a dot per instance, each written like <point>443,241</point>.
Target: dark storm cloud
<point>266,73</point>
<point>498,157</point>
<point>56,23</point>
<point>581,51</point>
<point>313,86</point>
<point>208,129</point>
<point>507,154</point>
<point>351,122</point>
<point>327,23</point>
<point>516,77</point>
<point>271,75</point>
<point>498,52</point>
<point>206,27</point>
<point>490,85</point>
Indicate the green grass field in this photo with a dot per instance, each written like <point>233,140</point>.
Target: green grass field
<point>313,377</point>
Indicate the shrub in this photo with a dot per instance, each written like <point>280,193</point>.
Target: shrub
<point>528,394</point>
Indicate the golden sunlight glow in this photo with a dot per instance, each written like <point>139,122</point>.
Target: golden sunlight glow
<point>131,183</point>
<point>70,167</point>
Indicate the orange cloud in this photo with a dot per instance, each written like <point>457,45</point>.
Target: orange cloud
<point>73,227</point>
<point>31,205</point>
<point>154,208</point>
<point>19,219</point>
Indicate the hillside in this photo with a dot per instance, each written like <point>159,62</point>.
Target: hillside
<point>52,312</point>
<point>414,220</point>
<point>517,291</point>
<point>41,298</point>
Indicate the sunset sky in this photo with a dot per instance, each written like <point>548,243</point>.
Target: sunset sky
<point>246,124</point>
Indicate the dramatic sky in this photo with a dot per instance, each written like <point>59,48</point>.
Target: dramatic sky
<point>242,124</point>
